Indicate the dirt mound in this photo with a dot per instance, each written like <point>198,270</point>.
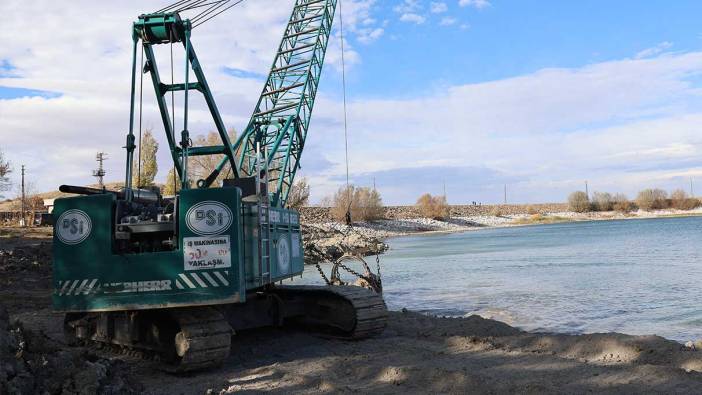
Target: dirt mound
<point>327,244</point>
<point>32,363</point>
<point>26,258</point>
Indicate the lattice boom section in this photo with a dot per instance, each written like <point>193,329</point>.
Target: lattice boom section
<point>282,115</point>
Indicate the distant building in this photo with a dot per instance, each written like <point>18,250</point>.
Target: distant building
<point>49,204</point>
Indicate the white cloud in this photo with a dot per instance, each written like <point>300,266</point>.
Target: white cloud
<point>409,11</point>
<point>407,6</point>
<point>474,3</point>
<point>447,21</point>
<point>413,18</point>
<point>438,7</point>
<point>648,52</point>
<point>369,35</point>
<point>623,125</point>
<point>90,67</point>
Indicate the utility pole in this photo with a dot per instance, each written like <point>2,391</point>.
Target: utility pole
<point>587,193</point>
<point>692,193</point>
<point>100,172</point>
<point>505,193</point>
<point>23,218</point>
<point>374,183</point>
<point>444,189</point>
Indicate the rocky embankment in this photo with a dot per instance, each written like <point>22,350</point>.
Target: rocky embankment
<point>323,214</point>
<point>327,240</point>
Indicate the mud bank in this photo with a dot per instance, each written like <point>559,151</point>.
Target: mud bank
<point>416,354</point>
<point>421,354</point>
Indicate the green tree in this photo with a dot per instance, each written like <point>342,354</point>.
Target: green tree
<point>145,174</point>
<point>172,184</point>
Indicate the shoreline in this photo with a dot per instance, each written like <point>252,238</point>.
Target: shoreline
<point>328,240</point>
<point>417,353</point>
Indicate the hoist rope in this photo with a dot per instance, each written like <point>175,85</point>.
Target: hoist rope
<point>141,112</point>
<point>175,184</point>
<point>213,8</point>
<point>346,138</point>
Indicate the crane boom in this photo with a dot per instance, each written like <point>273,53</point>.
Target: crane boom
<point>281,119</point>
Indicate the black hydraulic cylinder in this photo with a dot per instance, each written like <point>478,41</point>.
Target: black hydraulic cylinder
<point>142,196</point>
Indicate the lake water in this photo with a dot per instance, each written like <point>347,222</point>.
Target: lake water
<point>630,276</point>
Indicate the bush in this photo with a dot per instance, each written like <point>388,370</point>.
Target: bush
<point>434,207</point>
<point>531,210</point>
<point>621,203</point>
<point>652,199</point>
<point>602,201</point>
<point>578,202</point>
<point>365,204</point>
<point>368,206</point>
<point>681,201</point>
<point>496,212</point>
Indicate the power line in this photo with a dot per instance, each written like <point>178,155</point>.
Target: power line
<point>100,172</point>
<point>23,219</point>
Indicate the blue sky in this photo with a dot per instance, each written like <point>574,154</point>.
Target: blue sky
<point>472,93</point>
<point>511,38</point>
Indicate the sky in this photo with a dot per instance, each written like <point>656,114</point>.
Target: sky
<point>465,96</point>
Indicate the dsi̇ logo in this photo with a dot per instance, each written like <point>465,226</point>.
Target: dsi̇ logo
<point>283,255</point>
<point>209,218</point>
<point>73,226</point>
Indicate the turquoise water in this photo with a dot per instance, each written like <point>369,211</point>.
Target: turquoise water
<point>631,276</point>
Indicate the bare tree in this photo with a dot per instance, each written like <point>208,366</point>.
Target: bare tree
<point>299,195</point>
<point>364,204</point>
<point>652,199</point>
<point>578,202</point>
<point>602,201</point>
<point>5,170</point>
<point>202,166</point>
<point>680,200</point>
<point>621,203</point>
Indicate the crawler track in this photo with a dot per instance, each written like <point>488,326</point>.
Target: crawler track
<point>196,338</point>
<point>181,340</point>
<point>203,341</point>
<point>355,312</point>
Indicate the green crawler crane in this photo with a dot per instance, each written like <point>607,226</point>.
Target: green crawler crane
<point>175,277</point>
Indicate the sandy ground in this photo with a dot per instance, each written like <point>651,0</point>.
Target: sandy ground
<point>416,354</point>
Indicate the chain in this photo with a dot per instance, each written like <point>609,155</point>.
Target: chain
<point>355,273</point>
<point>321,273</point>
<point>377,263</point>
<point>374,280</point>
